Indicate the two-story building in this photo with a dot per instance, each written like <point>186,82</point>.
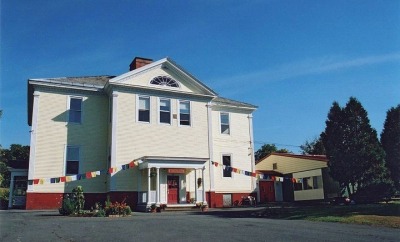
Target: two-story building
<point>150,135</point>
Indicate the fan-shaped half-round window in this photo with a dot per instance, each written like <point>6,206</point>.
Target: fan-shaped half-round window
<point>164,81</point>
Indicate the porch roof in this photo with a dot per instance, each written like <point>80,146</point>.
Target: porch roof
<point>172,162</point>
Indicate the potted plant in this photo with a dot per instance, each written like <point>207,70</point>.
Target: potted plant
<point>153,208</point>
<point>203,206</point>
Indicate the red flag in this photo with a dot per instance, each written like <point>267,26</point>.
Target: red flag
<point>111,170</point>
<point>216,164</point>
<point>254,174</point>
<point>132,164</point>
<point>88,175</point>
<point>35,181</point>
<point>62,179</point>
<point>234,170</point>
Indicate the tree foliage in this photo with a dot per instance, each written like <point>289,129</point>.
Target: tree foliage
<point>7,157</point>
<point>356,158</point>
<point>390,139</point>
<point>313,147</point>
<point>268,149</point>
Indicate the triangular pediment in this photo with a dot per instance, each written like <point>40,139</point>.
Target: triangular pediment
<point>164,75</point>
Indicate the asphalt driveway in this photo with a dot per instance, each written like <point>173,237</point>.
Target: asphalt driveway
<point>216,225</point>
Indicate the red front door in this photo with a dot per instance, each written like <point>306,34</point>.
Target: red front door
<point>173,189</point>
<point>267,191</point>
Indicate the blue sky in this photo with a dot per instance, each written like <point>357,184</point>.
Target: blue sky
<point>290,58</point>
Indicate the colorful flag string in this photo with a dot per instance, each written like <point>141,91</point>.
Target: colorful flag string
<point>135,163</point>
<point>83,176</point>
<point>254,174</point>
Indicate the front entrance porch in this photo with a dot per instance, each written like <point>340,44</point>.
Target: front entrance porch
<point>171,181</point>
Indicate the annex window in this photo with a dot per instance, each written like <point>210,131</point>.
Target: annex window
<point>274,166</point>
<point>307,183</point>
<point>75,110</point>
<point>184,113</point>
<point>225,128</point>
<point>298,186</point>
<point>226,161</point>
<point>164,81</point>
<point>317,182</point>
<point>165,111</point>
<point>72,162</point>
<point>144,109</point>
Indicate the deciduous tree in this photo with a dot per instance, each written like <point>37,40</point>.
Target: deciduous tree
<point>314,147</point>
<point>266,150</point>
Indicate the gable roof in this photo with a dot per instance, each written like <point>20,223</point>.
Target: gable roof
<point>165,63</point>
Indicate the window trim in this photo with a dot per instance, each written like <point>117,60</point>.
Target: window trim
<point>66,159</point>
<point>165,86</point>
<point>179,113</point>
<point>70,97</point>
<point>159,110</point>
<point>222,163</point>
<point>220,122</point>
<point>138,108</point>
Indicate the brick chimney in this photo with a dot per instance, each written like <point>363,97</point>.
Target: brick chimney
<point>139,62</point>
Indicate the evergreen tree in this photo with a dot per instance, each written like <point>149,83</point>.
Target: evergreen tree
<point>356,158</point>
<point>390,139</point>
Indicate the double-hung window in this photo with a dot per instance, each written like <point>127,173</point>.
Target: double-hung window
<point>165,111</point>
<point>225,127</point>
<point>184,113</point>
<point>72,160</point>
<point>226,161</point>
<point>75,110</point>
<point>144,109</point>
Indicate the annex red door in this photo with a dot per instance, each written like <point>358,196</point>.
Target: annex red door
<point>173,189</point>
<point>267,191</point>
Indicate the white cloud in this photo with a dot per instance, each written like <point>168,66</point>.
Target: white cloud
<point>309,67</point>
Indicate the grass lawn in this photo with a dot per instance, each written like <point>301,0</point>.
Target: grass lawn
<point>381,214</point>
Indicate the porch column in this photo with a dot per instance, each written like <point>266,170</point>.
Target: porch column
<point>148,185</point>
<point>195,185</point>
<point>158,186</point>
<point>204,187</point>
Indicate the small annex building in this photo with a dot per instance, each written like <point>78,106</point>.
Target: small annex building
<point>289,177</point>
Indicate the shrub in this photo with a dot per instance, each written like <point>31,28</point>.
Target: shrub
<point>127,210</point>
<point>68,206</point>
<point>100,213</point>
<point>73,203</point>
<point>79,199</point>
<point>117,208</point>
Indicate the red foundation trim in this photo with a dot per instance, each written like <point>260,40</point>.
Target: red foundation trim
<point>215,200</point>
<point>43,200</point>
<point>54,200</point>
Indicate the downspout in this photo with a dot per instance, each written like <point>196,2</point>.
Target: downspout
<point>114,122</point>
<point>254,179</point>
<point>210,147</point>
<point>32,151</point>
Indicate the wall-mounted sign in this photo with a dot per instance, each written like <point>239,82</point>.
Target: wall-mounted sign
<point>176,171</point>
